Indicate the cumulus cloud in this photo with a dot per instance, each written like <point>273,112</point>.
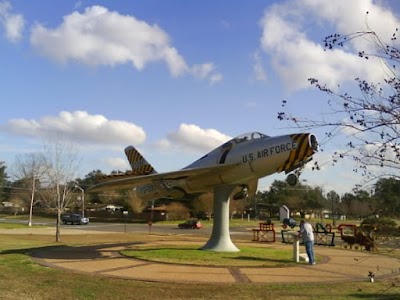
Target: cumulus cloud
<point>78,126</point>
<point>13,23</point>
<point>286,38</point>
<point>102,37</point>
<point>206,70</point>
<point>258,69</point>
<point>116,163</point>
<point>194,138</point>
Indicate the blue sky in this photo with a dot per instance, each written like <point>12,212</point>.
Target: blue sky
<point>174,78</point>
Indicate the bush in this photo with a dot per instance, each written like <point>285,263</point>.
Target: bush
<point>381,226</point>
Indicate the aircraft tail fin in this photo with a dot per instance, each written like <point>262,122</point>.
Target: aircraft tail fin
<point>138,163</point>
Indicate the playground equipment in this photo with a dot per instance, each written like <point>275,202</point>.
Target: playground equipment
<point>265,233</point>
<point>323,235</point>
<point>357,238</point>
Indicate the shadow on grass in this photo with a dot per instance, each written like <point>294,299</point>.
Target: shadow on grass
<point>263,259</point>
<point>72,252</point>
<point>44,255</point>
<point>187,249</point>
<point>394,296</point>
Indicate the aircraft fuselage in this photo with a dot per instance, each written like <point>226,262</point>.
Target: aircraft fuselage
<point>250,156</point>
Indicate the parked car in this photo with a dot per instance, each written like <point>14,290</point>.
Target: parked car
<point>289,222</point>
<point>190,224</point>
<point>74,219</point>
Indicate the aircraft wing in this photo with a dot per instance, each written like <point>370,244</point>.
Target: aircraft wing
<point>128,181</point>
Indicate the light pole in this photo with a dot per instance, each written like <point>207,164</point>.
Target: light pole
<point>83,199</point>
<point>150,222</point>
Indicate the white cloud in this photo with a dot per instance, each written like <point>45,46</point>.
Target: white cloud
<point>194,138</point>
<point>330,175</point>
<point>216,77</point>
<point>258,69</point>
<point>287,28</point>
<point>116,163</point>
<point>78,126</point>
<point>206,70</point>
<point>13,23</point>
<point>375,154</point>
<point>102,37</point>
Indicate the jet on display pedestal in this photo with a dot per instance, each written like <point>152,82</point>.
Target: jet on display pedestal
<point>231,171</point>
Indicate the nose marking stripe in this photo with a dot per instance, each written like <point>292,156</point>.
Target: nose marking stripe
<point>300,139</point>
<point>296,156</point>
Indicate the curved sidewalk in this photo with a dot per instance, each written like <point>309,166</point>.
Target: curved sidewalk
<point>337,266</point>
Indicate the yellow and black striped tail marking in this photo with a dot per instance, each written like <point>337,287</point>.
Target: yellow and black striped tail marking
<point>298,155</point>
<point>138,163</point>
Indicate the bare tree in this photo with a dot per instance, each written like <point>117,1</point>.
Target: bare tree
<point>62,165</point>
<point>369,119</point>
<point>334,199</point>
<point>17,204</point>
<point>203,205</point>
<point>177,211</point>
<point>30,167</point>
<point>135,202</point>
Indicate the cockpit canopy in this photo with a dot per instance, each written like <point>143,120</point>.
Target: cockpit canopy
<point>248,137</point>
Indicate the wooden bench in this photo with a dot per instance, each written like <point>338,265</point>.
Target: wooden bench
<point>265,233</point>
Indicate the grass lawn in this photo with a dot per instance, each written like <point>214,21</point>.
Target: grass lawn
<point>22,278</point>
<point>247,257</point>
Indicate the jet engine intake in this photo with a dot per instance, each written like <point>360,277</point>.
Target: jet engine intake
<point>292,179</point>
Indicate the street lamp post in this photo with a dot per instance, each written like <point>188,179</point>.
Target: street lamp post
<point>83,199</point>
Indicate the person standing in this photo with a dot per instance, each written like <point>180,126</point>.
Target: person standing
<point>307,234</point>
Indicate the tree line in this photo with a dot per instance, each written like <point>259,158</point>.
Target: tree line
<point>31,187</point>
<point>382,200</point>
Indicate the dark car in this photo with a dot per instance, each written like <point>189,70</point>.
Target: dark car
<point>289,222</point>
<point>190,224</point>
<point>74,219</point>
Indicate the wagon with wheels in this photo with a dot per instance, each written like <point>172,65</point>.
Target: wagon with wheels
<point>357,238</point>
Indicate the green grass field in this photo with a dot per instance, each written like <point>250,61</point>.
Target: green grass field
<point>247,257</point>
<point>22,278</point>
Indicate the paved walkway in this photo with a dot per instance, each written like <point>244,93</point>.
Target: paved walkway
<point>337,265</point>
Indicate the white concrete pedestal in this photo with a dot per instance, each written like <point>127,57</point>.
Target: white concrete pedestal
<point>296,249</point>
<point>220,239</point>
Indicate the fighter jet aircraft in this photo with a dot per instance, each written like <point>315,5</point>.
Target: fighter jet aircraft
<point>239,162</point>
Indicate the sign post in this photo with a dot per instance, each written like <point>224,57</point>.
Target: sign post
<point>125,212</point>
<point>296,247</point>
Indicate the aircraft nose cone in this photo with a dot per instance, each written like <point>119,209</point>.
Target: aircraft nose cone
<point>312,142</point>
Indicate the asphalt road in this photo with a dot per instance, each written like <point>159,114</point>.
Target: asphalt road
<point>155,228</point>
<point>132,228</point>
